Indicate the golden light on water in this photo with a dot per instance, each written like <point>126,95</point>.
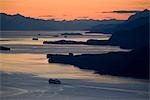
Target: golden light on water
<point>37,64</point>
<point>29,57</point>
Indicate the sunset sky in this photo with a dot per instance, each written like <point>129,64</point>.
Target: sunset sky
<point>74,9</point>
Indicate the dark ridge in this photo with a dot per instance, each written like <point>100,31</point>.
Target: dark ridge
<point>133,34</point>
<point>20,22</point>
<point>129,64</point>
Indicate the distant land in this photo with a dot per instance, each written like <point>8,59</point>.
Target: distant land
<point>20,22</point>
<point>134,32</point>
<point>139,18</point>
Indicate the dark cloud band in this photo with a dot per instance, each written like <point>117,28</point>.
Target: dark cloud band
<point>123,11</point>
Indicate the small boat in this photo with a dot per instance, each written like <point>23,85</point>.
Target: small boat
<point>54,81</point>
<point>34,38</point>
<point>55,35</point>
<point>65,36</point>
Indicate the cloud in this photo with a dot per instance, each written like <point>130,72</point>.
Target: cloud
<point>123,11</point>
<point>51,16</point>
<point>83,17</point>
<point>65,15</point>
<point>109,18</point>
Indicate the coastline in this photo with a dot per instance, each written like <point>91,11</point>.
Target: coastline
<point>113,63</point>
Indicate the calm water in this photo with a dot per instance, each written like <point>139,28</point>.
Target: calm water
<point>28,56</point>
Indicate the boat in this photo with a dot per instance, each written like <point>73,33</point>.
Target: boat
<point>54,81</point>
<point>34,38</point>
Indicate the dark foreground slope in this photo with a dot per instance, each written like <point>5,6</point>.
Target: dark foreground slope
<point>133,34</point>
<point>131,64</point>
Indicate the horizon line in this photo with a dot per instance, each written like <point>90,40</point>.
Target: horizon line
<point>55,19</point>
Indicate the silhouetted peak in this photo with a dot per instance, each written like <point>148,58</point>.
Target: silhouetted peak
<point>18,15</point>
<point>146,10</point>
<point>4,14</point>
<point>15,15</point>
<point>144,13</point>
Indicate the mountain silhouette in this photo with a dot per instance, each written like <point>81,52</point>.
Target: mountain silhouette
<point>105,28</point>
<point>19,22</point>
<point>133,33</point>
<point>140,18</point>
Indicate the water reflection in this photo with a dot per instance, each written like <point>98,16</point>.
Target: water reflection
<point>28,56</point>
<point>27,45</point>
<point>37,64</point>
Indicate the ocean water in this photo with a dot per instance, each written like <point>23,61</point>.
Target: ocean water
<point>29,56</point>
<point>24,71</point>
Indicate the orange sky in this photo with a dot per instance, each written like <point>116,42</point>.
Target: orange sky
<point>72,9</point>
